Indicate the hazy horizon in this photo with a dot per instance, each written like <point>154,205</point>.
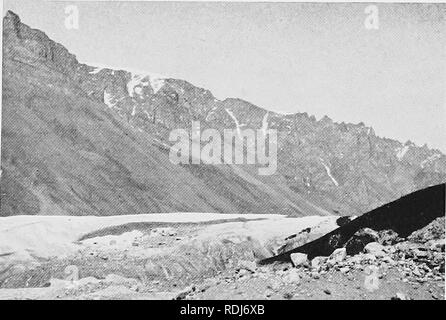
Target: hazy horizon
<point>284,57</point>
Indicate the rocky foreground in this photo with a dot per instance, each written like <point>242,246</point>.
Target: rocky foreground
<point>217,260</point>
<point>388,268</point>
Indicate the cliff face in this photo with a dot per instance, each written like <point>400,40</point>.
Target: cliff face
<point>82,140</point>
<point>31,46</point>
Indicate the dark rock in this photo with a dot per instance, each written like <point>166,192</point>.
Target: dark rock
<point>288,295</point>
<point>359,240</point>
<point>388,237</point>
<point>404,216</point>
<point>433,231</point>
<point>343,220</point>
<point>441,269</point>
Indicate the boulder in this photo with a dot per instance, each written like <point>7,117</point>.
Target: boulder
<point>375,248</point>
<point>293,276</point>
<point>299,259</point>
<point>433,231</point>
<point>437,245</point>
<point>343,220</point>
<point>317,262</point>
<point>344,269</point>
<point>356,259</point>
<point>247,265</point>
<point>388,259</point>
<point>388,237</point>
<point>360,239</point>
<point>337,256</point>
<point>405,247</point>
<point>368,257</point>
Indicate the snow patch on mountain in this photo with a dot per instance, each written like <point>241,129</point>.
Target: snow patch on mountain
<point>96,70</point>
<point>156,83</point>
<point>402,152</point>
<point>265,123</point>
<point>138,79</point>
<point>108,99</point>
<point>138,91</point>
<point>237,124</point>
<point>135,81</point>
<point>328,170</point>
<point>142,80</point>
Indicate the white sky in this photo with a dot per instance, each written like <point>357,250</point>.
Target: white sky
<point>285,57</point>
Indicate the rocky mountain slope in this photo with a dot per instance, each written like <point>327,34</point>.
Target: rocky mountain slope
<point>81,140</point>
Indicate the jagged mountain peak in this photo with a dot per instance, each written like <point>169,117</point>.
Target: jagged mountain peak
<point>12,16</point>
<point>33,46</point>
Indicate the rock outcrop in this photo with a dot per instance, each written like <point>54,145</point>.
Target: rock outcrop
<point>403,216</point>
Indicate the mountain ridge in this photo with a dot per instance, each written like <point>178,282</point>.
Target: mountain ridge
<point>324,118</point>
<point>15,20</point>
<point>334,167</point>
